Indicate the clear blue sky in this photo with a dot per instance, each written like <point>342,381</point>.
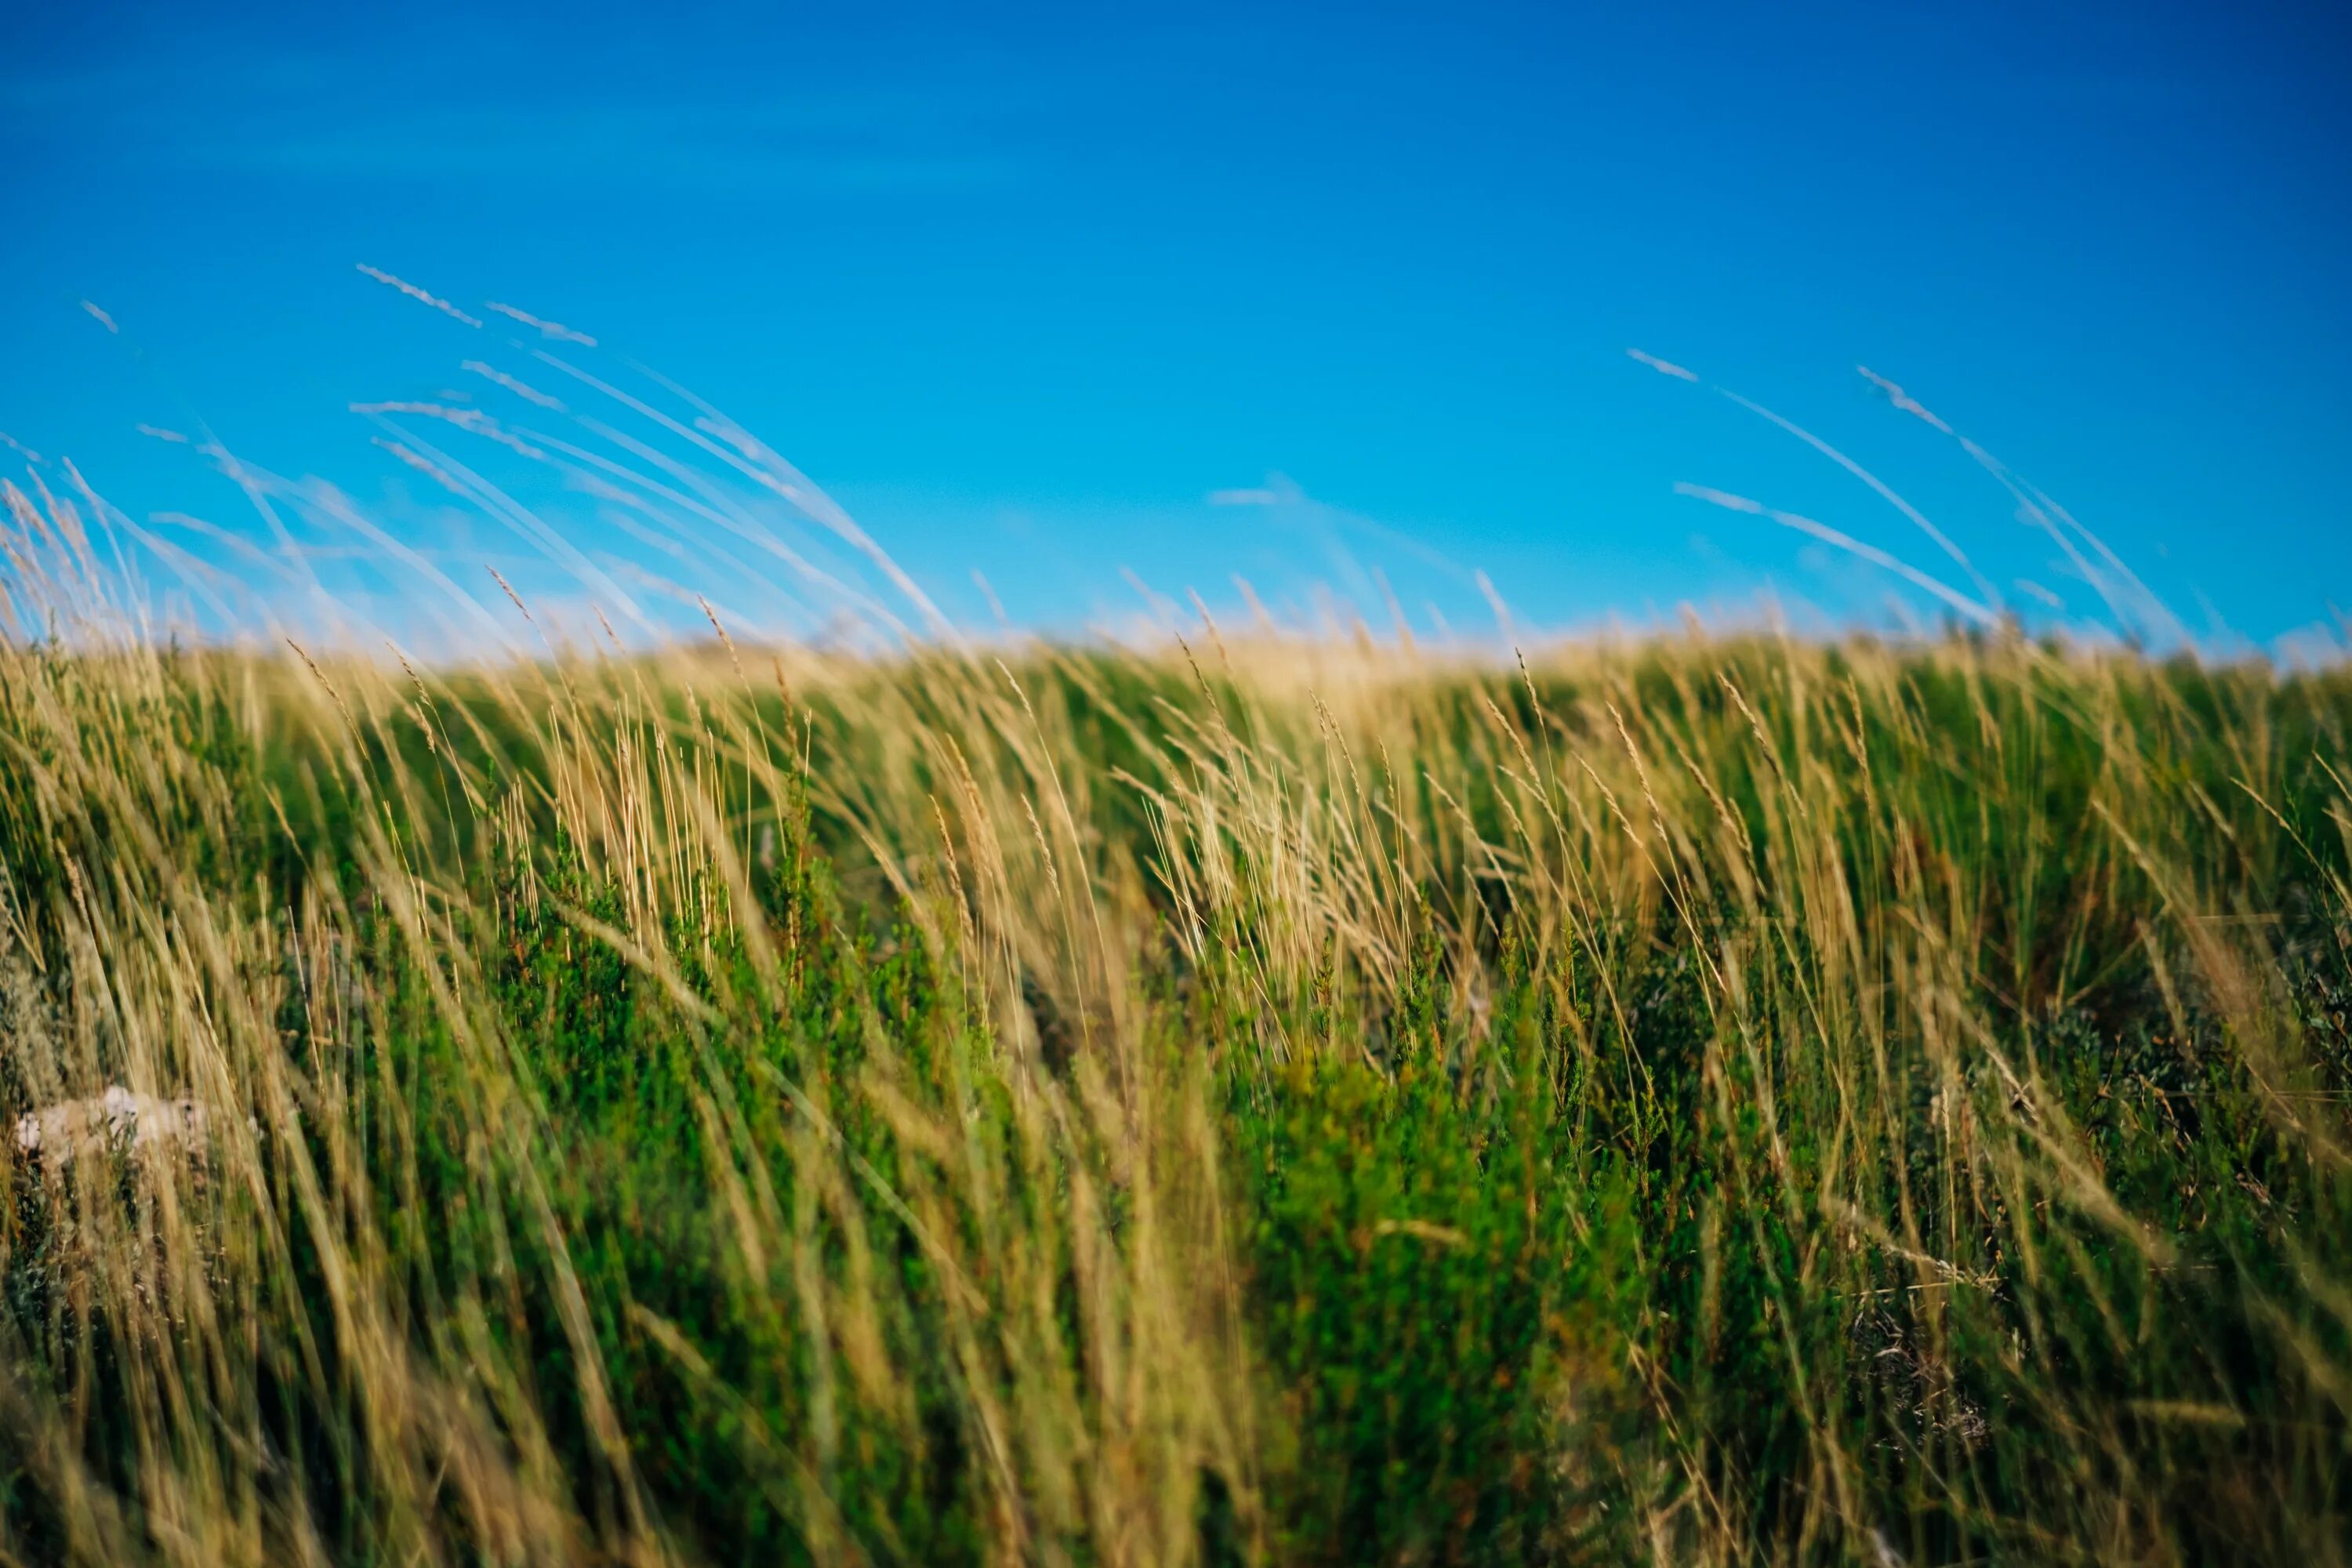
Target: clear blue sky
<point>1023,286</point>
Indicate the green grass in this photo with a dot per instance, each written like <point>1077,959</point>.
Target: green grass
<point>1703,1101</point>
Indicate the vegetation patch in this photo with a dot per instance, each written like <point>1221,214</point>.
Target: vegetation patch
<point>1710,1102</point>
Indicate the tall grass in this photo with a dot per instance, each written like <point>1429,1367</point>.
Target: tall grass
<point>1700,1102</point>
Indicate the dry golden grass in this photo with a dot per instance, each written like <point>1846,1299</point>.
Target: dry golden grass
<point>1700,1101</point>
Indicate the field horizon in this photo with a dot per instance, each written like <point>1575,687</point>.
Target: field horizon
<point>1697,1098</point>
<point>1518,785</point>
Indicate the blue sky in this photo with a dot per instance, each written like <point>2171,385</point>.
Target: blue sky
<point>1330,298</point>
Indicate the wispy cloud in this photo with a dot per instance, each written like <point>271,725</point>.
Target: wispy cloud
<point>1329,527</point>
<point>317,115</point>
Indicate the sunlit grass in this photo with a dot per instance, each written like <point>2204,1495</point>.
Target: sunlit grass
<point>1710,1099</point>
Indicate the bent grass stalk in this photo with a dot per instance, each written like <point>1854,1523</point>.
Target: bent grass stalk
<point>1720,1100</point>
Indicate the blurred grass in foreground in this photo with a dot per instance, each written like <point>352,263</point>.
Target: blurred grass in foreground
<point>1708,1102</point>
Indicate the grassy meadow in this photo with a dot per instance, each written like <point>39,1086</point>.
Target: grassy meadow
<point>1701,1100</point>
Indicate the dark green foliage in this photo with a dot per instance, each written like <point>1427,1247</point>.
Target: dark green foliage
<point>1439,1276</point>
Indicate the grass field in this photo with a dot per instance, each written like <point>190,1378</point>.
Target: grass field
<point>1703,1100</point>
